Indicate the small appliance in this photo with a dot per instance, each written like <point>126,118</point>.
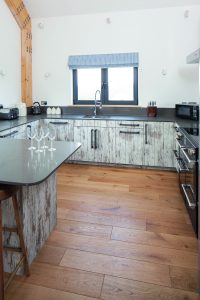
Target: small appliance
<point>36,108</point>
<point>187,111</point>
<point>9,113</point>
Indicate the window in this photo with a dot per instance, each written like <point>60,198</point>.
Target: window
<point>115,75</point>
<point>118,85</point>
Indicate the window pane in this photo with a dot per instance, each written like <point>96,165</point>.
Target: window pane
<point>89,80</point>
<point>120,82</point>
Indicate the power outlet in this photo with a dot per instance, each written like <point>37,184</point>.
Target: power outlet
<point>43,102</point>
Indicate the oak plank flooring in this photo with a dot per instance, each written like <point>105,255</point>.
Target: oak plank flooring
<point>118,288</point>
<point>184,278</point>
<point>102,231</point>
<point>121,267</point>
<point>25,291</point>
<point>50,254</point>
<point>65,279</point>
<point>122,234</point>
<point>134,251</point>
<point>154,239</point>
<point>102,219</point>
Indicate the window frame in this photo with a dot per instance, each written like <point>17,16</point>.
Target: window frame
<point>105,89</point>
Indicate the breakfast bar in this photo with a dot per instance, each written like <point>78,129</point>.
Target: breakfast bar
<point>35,175</point>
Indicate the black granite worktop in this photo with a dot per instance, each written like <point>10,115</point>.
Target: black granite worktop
<point>5,125</point>
<point>25,167</point>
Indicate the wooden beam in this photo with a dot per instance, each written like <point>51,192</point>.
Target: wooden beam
<point>23,19</point>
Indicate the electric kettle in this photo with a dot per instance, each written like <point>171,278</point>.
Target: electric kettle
<point>36,108</point>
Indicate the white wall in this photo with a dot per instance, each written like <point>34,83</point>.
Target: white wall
<point>10,58</point>
<point>163,38</point>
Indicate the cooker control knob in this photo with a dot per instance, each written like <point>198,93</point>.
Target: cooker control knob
<point>191,151</point>
<point>179,135</point>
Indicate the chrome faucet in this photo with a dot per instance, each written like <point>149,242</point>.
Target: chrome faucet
<point>97,102</point>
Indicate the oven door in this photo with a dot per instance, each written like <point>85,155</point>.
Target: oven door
<point>181,168</point>
<point>188,188</point>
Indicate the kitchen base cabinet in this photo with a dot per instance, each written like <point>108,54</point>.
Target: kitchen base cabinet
<point>129,146</point>
<point>154,144</point>
<point>169,144</point>
<point>85,136</point>
<point>64,129</point>
<point>105,145</point>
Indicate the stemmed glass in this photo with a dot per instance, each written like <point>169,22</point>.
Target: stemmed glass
<point>38,138</point>
<point>52,136</point>
<point>45,136</point>
<point>31,134</point>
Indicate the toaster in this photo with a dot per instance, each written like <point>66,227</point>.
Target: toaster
<point>9,113</point>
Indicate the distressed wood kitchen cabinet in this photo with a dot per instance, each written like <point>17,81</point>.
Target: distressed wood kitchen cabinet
<point>64,129</point>
<point>104,142</point>
<point>97,140</point>
<point>154,144</point>
<point>130,143</point>
<point>169,144</point>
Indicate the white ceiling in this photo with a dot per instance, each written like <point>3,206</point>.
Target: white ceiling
<point>53,8</point>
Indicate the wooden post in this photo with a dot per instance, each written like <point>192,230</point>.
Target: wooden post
<point>23,19</point>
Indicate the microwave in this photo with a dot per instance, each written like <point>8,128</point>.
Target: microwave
<point>187,111</point>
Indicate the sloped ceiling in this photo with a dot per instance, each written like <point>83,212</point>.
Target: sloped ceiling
<point>53,8</point>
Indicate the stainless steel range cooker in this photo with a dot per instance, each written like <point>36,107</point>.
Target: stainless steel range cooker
<point>187,155</point>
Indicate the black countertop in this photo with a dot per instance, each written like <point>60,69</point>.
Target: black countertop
<point>5,125</point>
<point>20,166</point>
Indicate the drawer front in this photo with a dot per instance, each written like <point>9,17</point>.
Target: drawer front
<point>84,123</point>
<point>130,124</point>
<point>104,123</point>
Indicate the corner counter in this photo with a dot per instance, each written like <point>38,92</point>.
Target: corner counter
<point>35,175</point>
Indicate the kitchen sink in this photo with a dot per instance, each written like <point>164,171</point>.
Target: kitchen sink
<point>98,117</point>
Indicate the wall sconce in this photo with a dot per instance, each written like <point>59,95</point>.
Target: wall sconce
<point>47,75</point>
<point>2,73</point>
<point>40,25</point>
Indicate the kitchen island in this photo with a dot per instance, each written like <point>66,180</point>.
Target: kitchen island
<point>35,174</point>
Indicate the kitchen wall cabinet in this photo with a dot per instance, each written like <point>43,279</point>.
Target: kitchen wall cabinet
<point>130,143</point>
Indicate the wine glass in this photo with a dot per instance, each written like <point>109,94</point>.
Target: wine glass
<point>45,136</point>
<point>38,138</point>
<point>31,134</point>
<point>52,136</point>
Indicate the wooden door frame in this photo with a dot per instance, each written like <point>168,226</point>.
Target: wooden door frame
<point>23,20</point>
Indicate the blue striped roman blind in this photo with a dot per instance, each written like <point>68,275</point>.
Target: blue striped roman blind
<point>104,61</point>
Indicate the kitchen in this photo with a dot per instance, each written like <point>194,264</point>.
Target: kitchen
<point>122,229</point>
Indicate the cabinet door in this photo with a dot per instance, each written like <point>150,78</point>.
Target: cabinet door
<point>129,146</point>
<point>169,144</point>
<point>153,144</point>
<point>18,132</point>
<point>85,136</point>
<point>64,129</point>
<point>104,139</point>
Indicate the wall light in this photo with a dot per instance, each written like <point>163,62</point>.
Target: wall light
<point>2,73</point>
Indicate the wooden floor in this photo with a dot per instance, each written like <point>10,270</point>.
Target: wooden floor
<point>122,234</point>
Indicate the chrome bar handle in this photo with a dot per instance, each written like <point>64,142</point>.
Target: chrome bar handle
<point>179,144</point>
<point>92,138</point>
<point>58,123</point>
<point>95,139</point>
<point>129,125</point>
<point>146,132</point>
<point>184,186</point>
<point>186,155</point>
<point>129,132</point>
